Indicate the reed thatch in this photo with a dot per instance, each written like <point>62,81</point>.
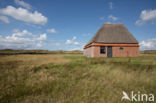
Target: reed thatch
<point>113,33</point>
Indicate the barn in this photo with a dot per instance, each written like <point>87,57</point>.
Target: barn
<point>112,40</point>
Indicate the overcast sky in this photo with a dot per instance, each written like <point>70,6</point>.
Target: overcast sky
<point>70,24</point>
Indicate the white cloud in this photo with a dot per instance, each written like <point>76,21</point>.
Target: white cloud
<point>23,4</point>
<point>42,37</point>
<point>76,43</point>
<point>148,44</point>
<point>4,19</point>
<point>52,30</point>
<point>69,42</point>
<point>24,15</point>
<point>17,33</point>
<point>74,38</point>
<point>15,30</point>
<point>57,44</point>
<point>101,18</point>
<point>147,16</point>
<point>113,17</point>
<point>22,40</point>
<point>39,45</point>
<point>73,42</point>
<point>111,5</point>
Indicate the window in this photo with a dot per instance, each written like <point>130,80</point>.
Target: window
<point>102,49</point>
<point>121,48</point>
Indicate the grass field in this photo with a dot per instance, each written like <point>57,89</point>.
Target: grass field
<point>73,78</point>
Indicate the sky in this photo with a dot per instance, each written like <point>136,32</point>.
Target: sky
<point>70,24</point>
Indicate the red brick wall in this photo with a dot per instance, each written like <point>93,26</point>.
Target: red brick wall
<point>88,52</point>
<point>126,52</point>
<point>94,51</point>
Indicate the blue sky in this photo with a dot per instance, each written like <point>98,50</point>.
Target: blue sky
<point>70,24</point>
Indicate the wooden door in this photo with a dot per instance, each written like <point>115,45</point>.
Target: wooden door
<point>109,51</point>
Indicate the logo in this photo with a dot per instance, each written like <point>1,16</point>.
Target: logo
<point>137,97</point>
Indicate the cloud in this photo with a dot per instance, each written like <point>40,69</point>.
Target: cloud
<point>72,42</point>
<point>42,37</point>
<point>39,45</point>
<point>23,4</point>
<point>148,44</point>
<point>4,19</point>
<point>113,17</point>
<point>69,42</point>
<point>111,5</point>
<point>22,40</point>
<point>101,18</point>
<point>52,30</point>
<point>17,33</point>
<point>74,38</point>
<point>15,30</point>
<point>147,16</point>
<point>24,15</point>
<point>76,43</point>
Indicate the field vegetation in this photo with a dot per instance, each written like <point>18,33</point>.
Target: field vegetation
<point>15,52</point>
<point>73,78</point>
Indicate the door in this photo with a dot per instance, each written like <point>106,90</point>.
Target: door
<point>109,51</point>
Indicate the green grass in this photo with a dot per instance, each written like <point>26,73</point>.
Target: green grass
<point>80,80</point>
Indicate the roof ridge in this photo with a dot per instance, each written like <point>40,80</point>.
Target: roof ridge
<point>112,24</point>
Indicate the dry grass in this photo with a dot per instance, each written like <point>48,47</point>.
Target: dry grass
<point>31,61</point>
<point>74,78</point>
<point>36,59</point>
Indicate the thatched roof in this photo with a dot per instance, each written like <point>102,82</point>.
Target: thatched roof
<point>113,33</point>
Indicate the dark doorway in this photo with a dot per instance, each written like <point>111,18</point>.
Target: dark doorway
<point>109,51</point>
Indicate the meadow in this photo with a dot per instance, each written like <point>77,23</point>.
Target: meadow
<point>73,78</point>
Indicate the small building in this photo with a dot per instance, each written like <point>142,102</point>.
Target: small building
<point>112,40</point>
